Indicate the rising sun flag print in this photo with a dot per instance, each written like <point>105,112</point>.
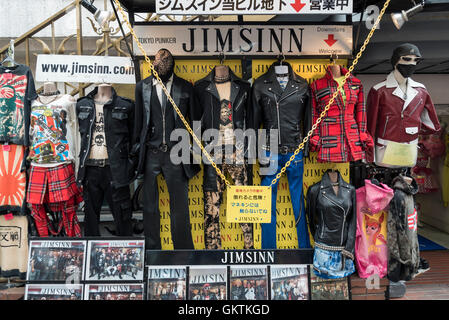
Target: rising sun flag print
<point>12,180</point>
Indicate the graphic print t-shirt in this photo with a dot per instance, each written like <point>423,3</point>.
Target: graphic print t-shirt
<point>16,93</point>
<point>52,131</point>
<point>98,149</point>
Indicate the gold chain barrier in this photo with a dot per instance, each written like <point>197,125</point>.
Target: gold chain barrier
<point>301,145</point>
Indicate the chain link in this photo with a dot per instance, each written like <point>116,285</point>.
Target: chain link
<point>334,96</point>
<point>309,134</point>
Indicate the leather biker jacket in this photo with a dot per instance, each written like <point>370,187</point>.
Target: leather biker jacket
<point>287,110</point>
<point>333,217</point>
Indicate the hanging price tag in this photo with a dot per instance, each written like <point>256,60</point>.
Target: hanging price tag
<point>248,204</point>
<point>6,148</point>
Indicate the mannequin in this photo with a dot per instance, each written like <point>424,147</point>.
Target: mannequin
<point>333,224</point>
<point>333,175</point>
<point>399,109</point>
<point>53,152</point>
<point>342,135</point>
<point>335,70</point>
<point>155,120</point>
<point>50,88</point>
<point>104,93</point>
<point>105,121</point>
<point>281,101</point>
<point>223,99</point>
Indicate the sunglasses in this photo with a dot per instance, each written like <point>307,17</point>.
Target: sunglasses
<point>408,59</point>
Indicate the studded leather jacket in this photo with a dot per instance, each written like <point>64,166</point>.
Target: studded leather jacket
<point>333,217</point>
<point>288,111</point>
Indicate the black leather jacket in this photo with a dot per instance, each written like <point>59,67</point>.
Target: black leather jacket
<point>288,110</point>
<point>182,94</point>
<point>118,129</point>
<point>209,106</point>
<point>333,218</point>
<point>209,101</point>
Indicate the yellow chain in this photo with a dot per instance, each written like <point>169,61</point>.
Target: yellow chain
<point>314,127</point>
<point>326,109</point>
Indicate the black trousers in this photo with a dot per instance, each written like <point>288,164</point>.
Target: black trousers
<point>177,182</point>
<point>97,186</point>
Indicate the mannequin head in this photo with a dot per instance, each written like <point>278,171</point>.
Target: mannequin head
<point>164,64</point>
<point>405,59</point>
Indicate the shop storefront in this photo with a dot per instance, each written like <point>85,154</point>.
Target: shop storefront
<point>239,160</point>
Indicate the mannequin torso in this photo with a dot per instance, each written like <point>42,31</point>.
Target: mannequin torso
<point>104,93</point>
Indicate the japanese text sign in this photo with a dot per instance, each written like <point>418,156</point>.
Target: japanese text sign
<point>248,204</point>
<point>222,7</point>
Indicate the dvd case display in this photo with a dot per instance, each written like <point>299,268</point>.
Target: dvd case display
<point>289,282</point>
<point>54,292</point>
<point>248,283</point>
<point>166,283</point>
<point>116,291</point>
<point>56,261</point>
<point>208,283</point>
<point>115,260</point>
<point>328,289</point>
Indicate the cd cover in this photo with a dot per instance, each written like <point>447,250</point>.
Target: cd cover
<point>166,283</point>
<point>207,283</point>
<point>56,261</point>
<point>54,292</point>
<point>249,283</point>
<point>289,282</point>
<point>115,260</point>
<point>116,291</point>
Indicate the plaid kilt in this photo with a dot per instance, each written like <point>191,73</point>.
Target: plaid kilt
<point>52,185</point>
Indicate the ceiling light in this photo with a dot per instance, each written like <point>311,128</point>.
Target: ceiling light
<point>102,17</point>
<point>400,18</point>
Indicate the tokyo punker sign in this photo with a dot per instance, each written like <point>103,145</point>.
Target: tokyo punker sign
<point>222,7</point>
<point>206,40</point>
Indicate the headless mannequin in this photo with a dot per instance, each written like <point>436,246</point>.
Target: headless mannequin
<point>50,87</point>
<point>408,180</point>
<point>49,94</point>
<point>333,175</point>
<point>282,74</point>
<point>336,70</point>
<point>104,93</point>
<point>222,81</point>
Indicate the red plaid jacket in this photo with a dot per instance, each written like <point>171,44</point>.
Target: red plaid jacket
<point>341,136</point>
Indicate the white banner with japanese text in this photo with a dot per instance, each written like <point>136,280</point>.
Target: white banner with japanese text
<point>206,40</point>
<point>233,7</point>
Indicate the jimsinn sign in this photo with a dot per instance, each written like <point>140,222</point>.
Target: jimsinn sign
<point>245,40</point>
<point>222,7</point>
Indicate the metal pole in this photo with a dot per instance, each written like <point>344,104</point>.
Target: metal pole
<point>79,39</point>
<point>133,57</point>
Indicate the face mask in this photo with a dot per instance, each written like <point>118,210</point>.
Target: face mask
<point>406,69</point>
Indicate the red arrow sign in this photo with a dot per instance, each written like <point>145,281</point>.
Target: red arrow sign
<point>297,5</point>
<point>330,40</point>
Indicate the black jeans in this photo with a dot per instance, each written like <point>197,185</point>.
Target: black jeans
<point>97,186</point>
<point>178,185</point>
